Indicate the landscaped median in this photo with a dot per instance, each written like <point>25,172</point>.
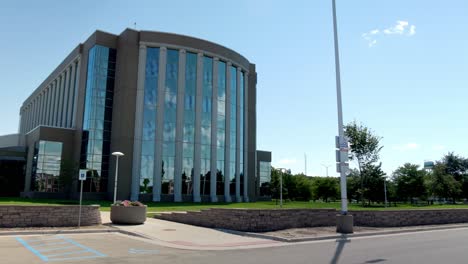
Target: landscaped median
<point>261,220</point>
<point>48,215</point>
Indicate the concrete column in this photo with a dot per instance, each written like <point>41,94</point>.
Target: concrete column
<point>214,134</point>
<point>50,106</point>
<point>198,108</point>
<point>71,90</point>
<point>66,89</point>
<point>159,125</point>
<point>26,119</point>
<point>227,146</point>
<point>60,101</point>
<point>39,108</point>
<point>246,145</point>
<point>75,93</point>
<point>22,118</point>
<point>238,190</point>
<point>140,97</point>
<point>46,106</point>
<point>54,103</point>
<point>179,128</point>
<point>34,114</point>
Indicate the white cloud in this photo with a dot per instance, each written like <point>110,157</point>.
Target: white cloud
<point>406,147</point>
<point>400,28</point>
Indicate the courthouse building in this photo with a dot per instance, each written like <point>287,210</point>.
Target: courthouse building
<point>181,109</point>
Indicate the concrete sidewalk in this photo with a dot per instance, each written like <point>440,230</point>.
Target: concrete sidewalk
<point>183,236</point>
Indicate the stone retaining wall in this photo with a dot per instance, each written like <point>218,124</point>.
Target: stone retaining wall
<point>48,216</point>
<point>258,220</point>
<point>399,218</point>
<point>253,220</point>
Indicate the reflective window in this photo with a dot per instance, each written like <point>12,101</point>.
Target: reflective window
<point>241,133</point>
<point>95,149</point>
<point>169,122</point>
<point>233,130</point>
<point>207,96</point>
<point>190,92</point>
<point>46,174</point>
<point>265,178</point>
<point>221,128</point>
<point>149,120</point>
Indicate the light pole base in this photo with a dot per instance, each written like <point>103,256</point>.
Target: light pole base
<point>344,224</point>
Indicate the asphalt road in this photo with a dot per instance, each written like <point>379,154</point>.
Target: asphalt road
<point>433,247</point>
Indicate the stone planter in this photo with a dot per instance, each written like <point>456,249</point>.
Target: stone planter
<point>128,215</point>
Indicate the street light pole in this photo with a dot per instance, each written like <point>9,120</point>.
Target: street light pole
<point>117,155</point>
<point>344,221</point>
<point>344,198</point>
<point>281,185</point>
<point>385,190</point>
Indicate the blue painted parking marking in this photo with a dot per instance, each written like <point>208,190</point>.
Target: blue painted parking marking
<point>59,248</point>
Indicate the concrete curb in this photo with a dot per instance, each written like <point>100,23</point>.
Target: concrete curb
<point>55,232</point>
<point>340,236</point>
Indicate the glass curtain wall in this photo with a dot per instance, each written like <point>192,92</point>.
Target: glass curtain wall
<point>241,133</point>
<point>205,148</point>
<point>46,167</point>
<point>233,131</point>
<point>97,118</point>
<point>169,122</point>
<point>149,120</point>
<point>189,123</point>
<point>221,133</point>
<point>265,178</point>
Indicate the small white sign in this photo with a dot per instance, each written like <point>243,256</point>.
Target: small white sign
<point>82,176</point>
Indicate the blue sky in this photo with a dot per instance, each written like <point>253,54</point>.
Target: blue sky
<point>404,65</point>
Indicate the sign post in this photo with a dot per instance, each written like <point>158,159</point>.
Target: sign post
<point>82,178</point>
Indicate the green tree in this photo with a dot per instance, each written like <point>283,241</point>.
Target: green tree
<point>325,188</point>
<point>441,184</point>
<point>373,181</point>
<point>409,182</point>
<point>364,144</point>
<point>365,148</point>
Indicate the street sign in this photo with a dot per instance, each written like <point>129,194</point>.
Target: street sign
<point>342,166</point>
<point>82,175</point>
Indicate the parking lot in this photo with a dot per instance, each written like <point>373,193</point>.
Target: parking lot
<point>85,248</point>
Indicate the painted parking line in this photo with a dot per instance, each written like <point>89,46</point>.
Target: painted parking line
<point>61,248</point>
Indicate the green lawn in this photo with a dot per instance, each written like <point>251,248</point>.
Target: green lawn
<point>161,207</point>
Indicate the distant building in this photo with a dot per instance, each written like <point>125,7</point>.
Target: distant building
<point>181,109</point>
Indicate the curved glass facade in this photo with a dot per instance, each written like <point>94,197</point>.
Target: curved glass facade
<point>97,118</point>
<point>149,120</point>
<point>192,82</point>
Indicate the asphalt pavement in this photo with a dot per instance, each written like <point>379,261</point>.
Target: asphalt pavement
<point>429,247</point>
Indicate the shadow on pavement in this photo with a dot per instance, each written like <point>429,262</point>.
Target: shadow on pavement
<point>339,248</point>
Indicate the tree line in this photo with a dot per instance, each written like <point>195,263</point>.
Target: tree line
<point>446,181</point>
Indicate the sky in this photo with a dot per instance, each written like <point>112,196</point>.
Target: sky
<point>404,66</point>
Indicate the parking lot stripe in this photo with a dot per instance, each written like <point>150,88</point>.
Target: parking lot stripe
<point>26,245</point>
<point>70,248</point>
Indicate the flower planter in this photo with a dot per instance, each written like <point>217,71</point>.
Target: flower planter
<point>128,215</point>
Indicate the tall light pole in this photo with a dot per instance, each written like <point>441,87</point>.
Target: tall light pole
<point>345,222</point>
<point>326,167</point>
<point>385,190</point>
<point>282,170</point>
<point>117,155</point>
